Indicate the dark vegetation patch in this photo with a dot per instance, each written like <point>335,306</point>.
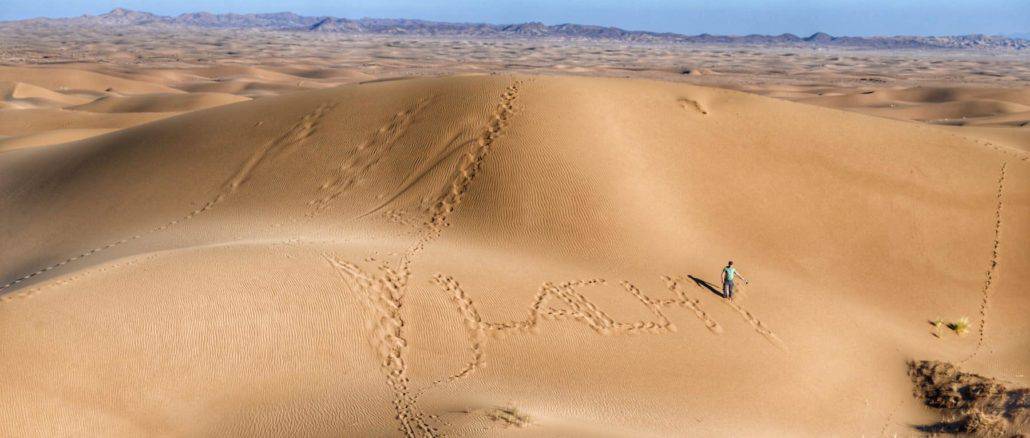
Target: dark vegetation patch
<point>970,404</point>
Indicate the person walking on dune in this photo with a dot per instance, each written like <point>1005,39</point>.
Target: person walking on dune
<point>729,274</point>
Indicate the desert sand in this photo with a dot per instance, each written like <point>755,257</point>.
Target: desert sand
<point>404,239</point>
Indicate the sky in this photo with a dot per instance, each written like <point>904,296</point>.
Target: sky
<point>726,17</point>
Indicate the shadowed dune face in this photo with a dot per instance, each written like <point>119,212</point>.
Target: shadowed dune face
<point>158,103</point>
<point>948,106</point>
<point>502,254</point>
<point>42,106</point>
<point>164,71</point>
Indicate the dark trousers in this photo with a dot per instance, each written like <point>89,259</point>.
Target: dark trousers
<point>727,289</point>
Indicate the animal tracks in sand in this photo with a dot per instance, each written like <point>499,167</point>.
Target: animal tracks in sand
<point>288,140</point>
<point>356,168</point>
<point>992,267</point>
<point>74,278</point>
<point>472,161</point>
<point>384,292</point>
<point>469,164</point>
<point>295,135</point>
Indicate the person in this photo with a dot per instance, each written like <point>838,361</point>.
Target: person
<point>729,274</point>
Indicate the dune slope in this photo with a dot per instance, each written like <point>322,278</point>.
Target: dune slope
<point>497,255</point>
<point>158,103</point>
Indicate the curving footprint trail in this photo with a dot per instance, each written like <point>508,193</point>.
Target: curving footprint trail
<point>355,169</point>
<point>72,279</point>
<point>384,295</point>
<point>472,161</point>
<point>385,292</point>
<point>755,323</point>
<point>290,139</point>
<point>986,291</point>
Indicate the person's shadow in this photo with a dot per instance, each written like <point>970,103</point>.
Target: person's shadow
<point>706,285</point>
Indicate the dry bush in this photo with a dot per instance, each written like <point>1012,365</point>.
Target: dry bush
<point>969,403</point>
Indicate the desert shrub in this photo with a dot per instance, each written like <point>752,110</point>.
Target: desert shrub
<point>961,326</point>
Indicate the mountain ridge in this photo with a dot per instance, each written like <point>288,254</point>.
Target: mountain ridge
<point>289,21</point>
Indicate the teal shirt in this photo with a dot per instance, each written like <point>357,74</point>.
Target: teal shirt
<point>730,272</point>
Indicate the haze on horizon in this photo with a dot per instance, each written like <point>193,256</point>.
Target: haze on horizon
<point>731,17</point>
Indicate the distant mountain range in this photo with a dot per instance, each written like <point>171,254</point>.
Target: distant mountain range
<point>288,21</point>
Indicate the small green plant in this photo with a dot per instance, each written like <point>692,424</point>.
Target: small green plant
<point>938,323</point>
<point>960,327</point>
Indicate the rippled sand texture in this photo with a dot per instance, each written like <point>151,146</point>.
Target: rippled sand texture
<point>261,234</point>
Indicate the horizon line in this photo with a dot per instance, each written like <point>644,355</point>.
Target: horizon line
<point>1024,35</point>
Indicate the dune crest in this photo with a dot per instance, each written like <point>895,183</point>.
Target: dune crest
<point>500,254</point>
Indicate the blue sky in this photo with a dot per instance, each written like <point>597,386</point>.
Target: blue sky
<point>802,17</point>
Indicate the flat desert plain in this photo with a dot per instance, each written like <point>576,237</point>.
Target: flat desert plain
<point>268,234</point>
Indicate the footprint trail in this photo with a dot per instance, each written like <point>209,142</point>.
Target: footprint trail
<point>290,139</point>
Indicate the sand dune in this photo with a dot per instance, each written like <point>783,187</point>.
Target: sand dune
<point>1001,114</point>
<point>19,95</point>
<point>921,96</point>
<point>31,121</point>
<point>953,110</point>
<point>228,71</point>
<point>55,105</point>
<point>244,87</point>
<point>158,103</point>
<point>55,136</point>
<point>326,73</point>
<point>56,78</point>
<point>1015,138</point>
<point>503,255</point>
